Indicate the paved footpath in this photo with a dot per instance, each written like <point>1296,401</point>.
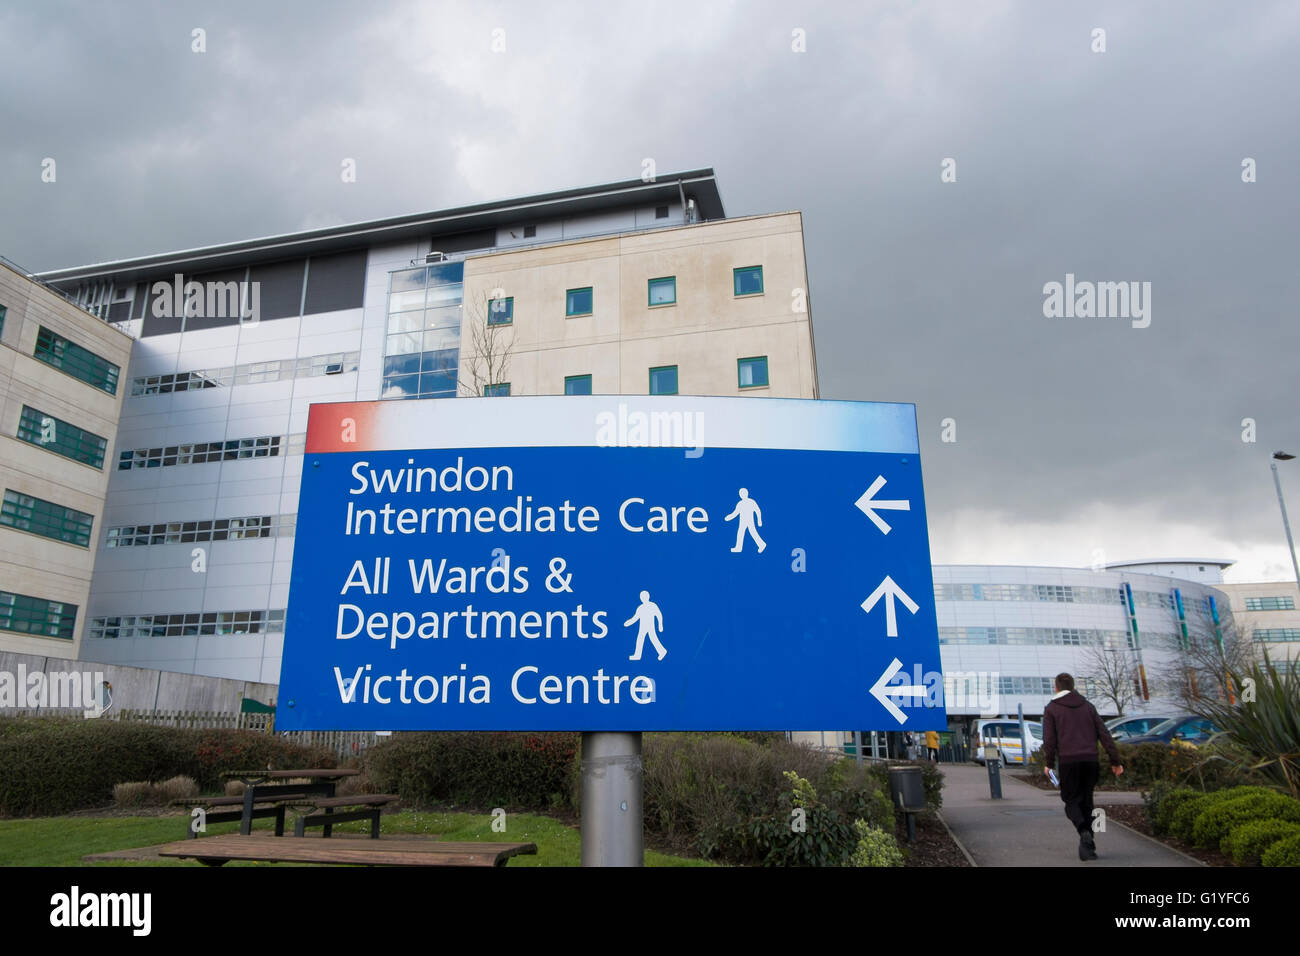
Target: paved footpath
<point>1028,827</point>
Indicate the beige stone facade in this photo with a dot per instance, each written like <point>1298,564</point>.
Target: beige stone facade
<point>35,565</point>
<point>1263,617</point>
<point>704,333</point>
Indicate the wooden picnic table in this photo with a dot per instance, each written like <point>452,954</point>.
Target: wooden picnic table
<point>265,786</point>
<point>218,850</point>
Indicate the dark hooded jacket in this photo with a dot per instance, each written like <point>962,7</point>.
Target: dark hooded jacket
<point>1071,729</point>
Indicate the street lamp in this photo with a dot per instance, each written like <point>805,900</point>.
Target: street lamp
<point>1283,456</point>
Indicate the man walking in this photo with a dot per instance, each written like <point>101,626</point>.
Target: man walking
<point>1071,729</point>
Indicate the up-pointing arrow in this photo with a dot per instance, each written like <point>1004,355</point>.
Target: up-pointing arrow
<point>882,692</point>
<point>868,507</point>
<point>889,590</point>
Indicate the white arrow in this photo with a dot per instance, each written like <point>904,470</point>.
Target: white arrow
<point>868,507</point>
<point>883,693</point>
<point>889,590</point>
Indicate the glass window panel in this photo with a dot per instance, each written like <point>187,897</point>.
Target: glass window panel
<point>663,380</point>
<point>447,318</point>
<point>577,385</point>
<point>663,291</point>
<point>402,364</point>
<point>409,279</point>
<point>405,301</point>
<point>403,344</point>
<point>402,386</point>
<point>405,322</point>
<point>579,301</point>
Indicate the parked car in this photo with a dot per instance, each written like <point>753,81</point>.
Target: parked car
<point>1003,734</point>
<point>1121,728</point>
<point>1184,729</point>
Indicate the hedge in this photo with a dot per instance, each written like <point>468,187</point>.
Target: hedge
<point>1285,852</point>
<point>1246,842</point>
<point>1215,822</point>
<point>483,770</point>
<point>53,766</point>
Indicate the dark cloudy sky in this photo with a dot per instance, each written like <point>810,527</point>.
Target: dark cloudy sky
<point>1072,434</point>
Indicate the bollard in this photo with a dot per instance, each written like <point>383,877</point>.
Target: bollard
<point>994,764</point>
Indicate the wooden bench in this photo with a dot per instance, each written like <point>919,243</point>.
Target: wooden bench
<point>262,808</point>
<point>321,812</point>
<point>218,850</point>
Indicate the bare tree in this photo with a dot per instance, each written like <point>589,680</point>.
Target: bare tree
<point>1112,673</point>
<point>487,343</point>
<point>1203,665</point>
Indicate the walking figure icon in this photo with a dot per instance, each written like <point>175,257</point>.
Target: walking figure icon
<point>750,519</point>
<point>647,616</point>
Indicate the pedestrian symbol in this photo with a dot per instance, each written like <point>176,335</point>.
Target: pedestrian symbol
<point>647,616</point>
<point>750,519</point>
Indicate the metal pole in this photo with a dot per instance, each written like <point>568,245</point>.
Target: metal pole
<point>1290,544</point>
<point>857,746</point>
<point>1024,735</point>
<point>612,824</point>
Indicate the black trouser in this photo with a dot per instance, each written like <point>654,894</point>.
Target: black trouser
<point>1078,778</point>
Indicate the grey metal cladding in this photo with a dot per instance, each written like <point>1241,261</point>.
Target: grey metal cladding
<point>336,282</point>
<point>228,314</point>
<point>280,288</point>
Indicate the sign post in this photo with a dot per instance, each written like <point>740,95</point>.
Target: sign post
<point>611,565</point>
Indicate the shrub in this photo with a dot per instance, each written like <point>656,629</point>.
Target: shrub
<point>1161,801</point>
<point>1246,842</point>
<point>176,788</point>
<point>1214,822</point>
<point>135,794</point>
<point>532,771</point>
<point>1265,733</point>
<point>1184,816</point>
<point>875,847</point>
<point>235,788</point>
<point>1285,852</point>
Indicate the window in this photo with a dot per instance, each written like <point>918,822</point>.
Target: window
<point>663,291</point>
<point>1283,603</point>
<point>501,311</point>
<point>578,302</point>
<point>2,320</point>
<point>58,436</point>
<point>187,625</point>
<point>1277,634</point>
<point>37,516</point>
<point>577,385</point>
<point>530,232</point>
<point>56,351</point>
<point>189,532</point>
<point>748,280</point>
<point>752,372</point>
<point>663,380</point>
<point>31,615</point>
<point>499,390</point>
<point>661,212</point>
<point>201,453</point>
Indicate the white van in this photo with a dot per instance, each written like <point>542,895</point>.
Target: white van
<point>1003,734</point>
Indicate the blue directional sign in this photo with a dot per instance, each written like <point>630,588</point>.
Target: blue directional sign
<point>611,563</point>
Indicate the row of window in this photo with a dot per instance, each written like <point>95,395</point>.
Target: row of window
<point>750,372</point>
<point>58,436</point>
<point>32,615</point>
<point>1283,603</point>
<point>746,280</point>
<point>54,350</point>
<point>186,532</point>
<point>1276,634</point>
<point>250,373</point>
<point>45,518</point>
<point>201,453</point>
<point>187,625</point>
<point>1065,594</point>
<point>1059,636</point>
<point>3,310</point>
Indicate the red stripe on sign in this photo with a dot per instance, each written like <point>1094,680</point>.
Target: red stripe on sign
<point>343,426</point>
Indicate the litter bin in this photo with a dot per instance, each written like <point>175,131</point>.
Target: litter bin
<point>907,793</point>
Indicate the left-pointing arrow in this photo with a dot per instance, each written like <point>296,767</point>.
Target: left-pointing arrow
<point>882,692</point>
<point>869,507</point>
<point>889,590</point>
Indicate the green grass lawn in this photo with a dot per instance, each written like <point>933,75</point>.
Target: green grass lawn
<point>63,841</point>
